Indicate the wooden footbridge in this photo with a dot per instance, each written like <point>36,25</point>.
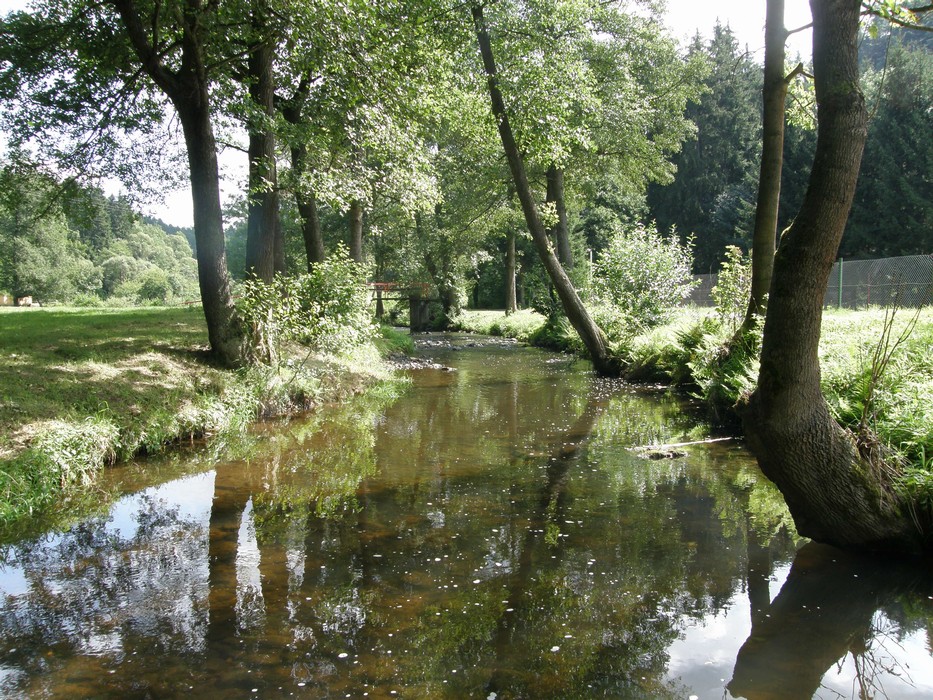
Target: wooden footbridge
<point>417,294</point>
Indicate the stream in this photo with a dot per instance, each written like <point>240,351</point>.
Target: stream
<point>509,526</point>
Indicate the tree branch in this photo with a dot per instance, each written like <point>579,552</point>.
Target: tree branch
<point>146,51</point>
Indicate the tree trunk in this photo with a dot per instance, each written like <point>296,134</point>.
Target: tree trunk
<point>592,335</point>
<point>774,94</point>
<point>510,302</point>
<point>189,91</point>
<point>264,250</point>
<point>305,200</point>
<point>307,210</point>
<point>356,230</point>
<point>224,330</point>
<point>835,495</point>
<point>310,228</point>
<point>559,233</point>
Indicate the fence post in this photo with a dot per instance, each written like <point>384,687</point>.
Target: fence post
<point>840,282</point>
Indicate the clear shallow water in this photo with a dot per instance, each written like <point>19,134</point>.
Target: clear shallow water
<point>491,533</point>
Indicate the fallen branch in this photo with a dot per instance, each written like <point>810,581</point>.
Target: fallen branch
<point>658,448</point>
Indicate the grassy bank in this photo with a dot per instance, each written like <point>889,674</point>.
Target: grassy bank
<point>897,405</point>
<point>83,388</point>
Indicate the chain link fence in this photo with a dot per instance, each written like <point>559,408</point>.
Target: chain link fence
<point>856,284</point>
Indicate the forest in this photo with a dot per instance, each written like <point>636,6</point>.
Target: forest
<point>64,241</point>
<point>565,156</point>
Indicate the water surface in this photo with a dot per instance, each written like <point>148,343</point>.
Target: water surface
<point>492,533</point>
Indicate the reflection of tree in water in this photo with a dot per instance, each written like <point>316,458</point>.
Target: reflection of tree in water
<point>830,607</point>
<point>439,547</point>
<point>93,593</point>
<point>609,597</point>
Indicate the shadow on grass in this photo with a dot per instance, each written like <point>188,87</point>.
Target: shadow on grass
<point>64,363</point>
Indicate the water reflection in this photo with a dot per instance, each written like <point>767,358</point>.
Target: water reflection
<point>489,533</point>
<point>832,609</point>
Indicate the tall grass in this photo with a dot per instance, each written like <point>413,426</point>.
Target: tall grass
<point>522,325</point>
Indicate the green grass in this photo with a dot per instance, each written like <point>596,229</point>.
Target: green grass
<point>521,325</point>
<point>82,388</point>
<point>900,408</point>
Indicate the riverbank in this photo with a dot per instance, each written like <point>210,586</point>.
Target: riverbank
<point>83,388</point>
<point>684,353</point>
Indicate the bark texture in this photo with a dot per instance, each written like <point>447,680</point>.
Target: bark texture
<point>592,335</point>
<point>560,232</point>
<point>356,230</point>
<point>835,495</point>
<point>310,227</point>
<point>511,304</point>
<point>305,200</point>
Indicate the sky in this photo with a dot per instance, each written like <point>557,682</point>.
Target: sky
<point>745,17</point>
<point>684,18</point>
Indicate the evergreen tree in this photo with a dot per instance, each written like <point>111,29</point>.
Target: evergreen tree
<point>893,209</point>
<point>713,194</point>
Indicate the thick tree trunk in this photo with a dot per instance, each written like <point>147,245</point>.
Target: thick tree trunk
<point>834,494</point>
<point>264,252</point>
<point>224,330</point>
<point>559,233</point>
<point>306,203</point>
<point>592,335</point>
<point>510,301</point>
<point>356,230</point>
<point>774,94</point>
<point>189,91</point>
<point>310,228</point>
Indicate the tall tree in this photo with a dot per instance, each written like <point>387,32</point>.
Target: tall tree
<point>157,45</point>
<point>893,209</point>
<point>592,336</point>
<point>712,195</point>
<point>96,71</point>
<point>837,488</point>
<point>774,95</point>
<point>265,254</point>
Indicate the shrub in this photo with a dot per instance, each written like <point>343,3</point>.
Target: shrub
<point>154,286</point>
<point>642,275</point>
<point>326,309</point>
<point>733,288</point>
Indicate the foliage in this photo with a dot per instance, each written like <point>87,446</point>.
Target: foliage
<point>326,309</point>
<point>892,213</point>
<point>641,276</point>
<point>521,325</point>
<point>733,287</point>
<point>664,353</point>
<point>726,369</point>
<point>713,194</point>
<point>899,400</point>
<point>392,341</point>
<point>60,246</point>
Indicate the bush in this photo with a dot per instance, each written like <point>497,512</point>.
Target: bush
<point>642,276</point>
<point>733,288</point>
<point>154,287</point>
<point>326,309</point>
